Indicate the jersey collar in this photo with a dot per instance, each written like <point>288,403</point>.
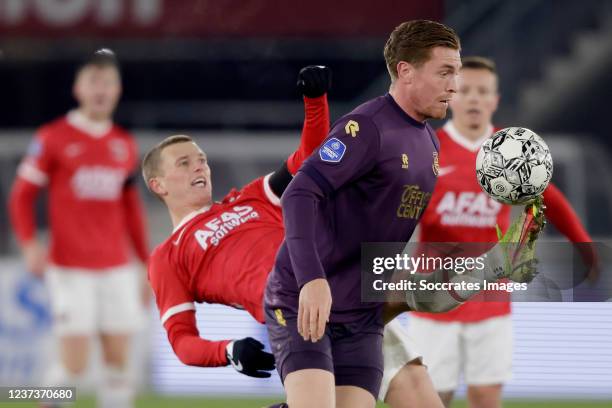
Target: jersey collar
<point>463,141</point>
<point>88,126</point>
<point>190,217</point>
<point>403,113</point>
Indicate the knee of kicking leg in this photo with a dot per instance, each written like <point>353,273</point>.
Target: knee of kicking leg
<point>484,396</point>
<point>115,350</point>
<point>75,365</point>
<point>412,387</point>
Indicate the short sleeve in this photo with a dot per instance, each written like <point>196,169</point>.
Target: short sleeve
<point>37,163</point>
<point>350,151</point>
<point>172,294</point>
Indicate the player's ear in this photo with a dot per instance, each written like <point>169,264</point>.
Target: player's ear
<point>75,90</point>
<point>156,186</point>
<point>405,72</point>
<point>496,102</point>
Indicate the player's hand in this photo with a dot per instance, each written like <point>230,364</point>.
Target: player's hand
<point>248,357</point>
<point>314,308</point>
<point>314,80</point>
<point>35,257</point>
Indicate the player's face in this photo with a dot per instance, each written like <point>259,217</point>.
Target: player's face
<point>433,84</point>
<point>476,100</point>
<point>185,179</point>
<point>97,89</point>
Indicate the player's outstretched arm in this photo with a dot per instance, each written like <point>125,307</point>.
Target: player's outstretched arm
<point>245,355</point>
<point>561,214</point>
<point>32,176</point>
<point>314,81</point>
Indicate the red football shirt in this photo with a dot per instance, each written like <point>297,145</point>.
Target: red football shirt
<point>85,167</point>
<point>222,254</point>
<point>459,211</point>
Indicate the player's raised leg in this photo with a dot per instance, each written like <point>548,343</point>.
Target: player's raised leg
<point>314,81</point>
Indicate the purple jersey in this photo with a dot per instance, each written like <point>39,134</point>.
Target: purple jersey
<point>369,181</point>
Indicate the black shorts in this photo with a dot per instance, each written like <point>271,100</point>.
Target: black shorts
<point>350,351</point>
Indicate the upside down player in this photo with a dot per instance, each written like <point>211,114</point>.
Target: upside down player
<point>475,338</point>
<point>222,252</point>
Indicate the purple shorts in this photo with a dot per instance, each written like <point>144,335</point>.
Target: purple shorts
<point>350,351</point>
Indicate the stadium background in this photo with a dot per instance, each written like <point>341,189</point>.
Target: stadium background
<point>224,71</point>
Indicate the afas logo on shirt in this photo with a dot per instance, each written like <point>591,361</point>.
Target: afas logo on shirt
<point>98,182</point>
<point>332,150</point>
<point>469,209</point>
<point>218,227</point>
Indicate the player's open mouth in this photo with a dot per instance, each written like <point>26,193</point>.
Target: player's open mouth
<point>473,111</point>
<point>199,182</point>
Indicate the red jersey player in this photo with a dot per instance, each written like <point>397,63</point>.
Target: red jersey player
<point>88,165</point>
<point>475,337</point>
<point>222,252</point>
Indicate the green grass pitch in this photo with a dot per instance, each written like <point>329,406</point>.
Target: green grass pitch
<point>155,401</point>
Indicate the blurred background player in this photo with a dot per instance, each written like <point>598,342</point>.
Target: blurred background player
<point>476,338</point>
<point>88,164</point>
<point>222,252</point>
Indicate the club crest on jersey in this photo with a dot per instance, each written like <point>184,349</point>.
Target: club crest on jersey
<point>435,166</point>
<point>332,151</point>
<point>119,150</point>
<point>73,150</point>
<point>404,161</point>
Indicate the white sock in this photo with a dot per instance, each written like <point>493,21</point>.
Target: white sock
<point>57,376</point>
<point>117,390</point>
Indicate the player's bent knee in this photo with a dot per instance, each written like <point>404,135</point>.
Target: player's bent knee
<point>349,396</point>
<point>447,397</point>
<point>411,387</point>
<point>312,387</point>
<point>115,349</point>
<point>75,353</point>
<point>484,396</point>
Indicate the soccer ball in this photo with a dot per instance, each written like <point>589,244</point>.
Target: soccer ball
<point>514,166</point>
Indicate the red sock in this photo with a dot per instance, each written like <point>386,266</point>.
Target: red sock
<point>315,130</point>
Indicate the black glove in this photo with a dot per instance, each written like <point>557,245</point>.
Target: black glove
<point>247,357</point>
<point>314,80</point>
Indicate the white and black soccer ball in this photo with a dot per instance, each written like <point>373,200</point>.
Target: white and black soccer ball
<point>514,166</point>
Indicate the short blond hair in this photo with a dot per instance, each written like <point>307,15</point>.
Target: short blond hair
<point>478,62</point>
<point>152,160</point>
